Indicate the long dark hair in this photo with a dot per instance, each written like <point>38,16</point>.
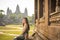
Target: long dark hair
<point>26,22</point>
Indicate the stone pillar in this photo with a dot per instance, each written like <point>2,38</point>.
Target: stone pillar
<point>49,6</point>
<point>49,11</point>
<point>36,9</point>
<point>46,13</point>
<point>57,5</point>
<point>41,8</point>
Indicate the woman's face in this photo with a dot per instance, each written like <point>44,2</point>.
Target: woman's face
<point>23,21</point>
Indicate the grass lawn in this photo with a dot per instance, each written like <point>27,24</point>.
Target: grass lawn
<point>12,29</point>
<point>6,37</point>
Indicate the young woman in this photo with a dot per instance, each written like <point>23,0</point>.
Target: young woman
<point>26,28</point>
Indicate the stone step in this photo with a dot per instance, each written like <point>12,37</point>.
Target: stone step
<point>38,37</point>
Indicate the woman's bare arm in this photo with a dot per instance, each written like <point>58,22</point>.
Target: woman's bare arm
<point>24,29</point>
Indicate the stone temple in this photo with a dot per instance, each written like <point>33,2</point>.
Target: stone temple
<point>47,20</point>
<point>17,11</point>
<point>18,15</point>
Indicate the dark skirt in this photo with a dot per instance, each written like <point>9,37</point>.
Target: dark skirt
<point>21,37</point>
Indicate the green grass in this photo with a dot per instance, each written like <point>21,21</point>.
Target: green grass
<point>5,28</point>
<point>12,32</point>
<point>15,32</point>
<point>32,27</point>
<point>9,27</point>
<point>6,37</point>
<point>14,28</point>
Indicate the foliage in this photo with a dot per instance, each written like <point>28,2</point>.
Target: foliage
<point>1,15</point>
<point>1,18</point>
<point>31,19</point>
<point>15,18</point>
<point>1,10</point>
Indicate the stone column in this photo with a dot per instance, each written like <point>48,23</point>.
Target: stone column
<point>46,18</point>
<point>57,5</point>
<point>41,8</point>
<point>46,13</point>
<point>49,11</point>
<point>38,9</point>
<point>49,6</point>
<point>35,9</point>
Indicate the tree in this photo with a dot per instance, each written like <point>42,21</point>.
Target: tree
<point>1,11</point>
<point>1,18</point>
<point>30,19</point>
<point>33,18</point>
